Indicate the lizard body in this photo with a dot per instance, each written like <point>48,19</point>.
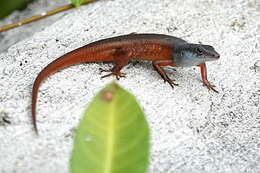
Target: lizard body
<point>162,50</point>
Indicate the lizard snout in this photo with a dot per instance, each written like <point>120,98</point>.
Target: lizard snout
<point>216,55</point>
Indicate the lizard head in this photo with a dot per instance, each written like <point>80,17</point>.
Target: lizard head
<point>194,54</point>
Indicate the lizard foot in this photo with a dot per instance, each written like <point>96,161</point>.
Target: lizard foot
<point>209,86</point>
<point>118,74</point>
<point>171,82</point>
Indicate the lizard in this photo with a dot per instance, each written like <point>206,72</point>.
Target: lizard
<point>161,50</point>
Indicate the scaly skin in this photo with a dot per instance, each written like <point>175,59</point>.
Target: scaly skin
<point>162,50</point>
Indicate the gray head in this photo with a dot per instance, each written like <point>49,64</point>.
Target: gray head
<point>193,54</point>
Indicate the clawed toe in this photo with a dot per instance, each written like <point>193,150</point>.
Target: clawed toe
<point>106,75</point>
<point>117,74</point>
<point>171,82</point>
<point>101,70</point>
<point>209,86</point>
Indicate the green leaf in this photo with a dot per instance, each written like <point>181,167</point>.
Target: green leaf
<point>7,7</point>
<point>77,3</point>
<point>113,136</point>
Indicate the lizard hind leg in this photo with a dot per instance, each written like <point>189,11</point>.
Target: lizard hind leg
<point>121,59</point>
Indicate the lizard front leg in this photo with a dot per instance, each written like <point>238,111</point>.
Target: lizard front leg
<point>157,66</point>
<point>203,71</point>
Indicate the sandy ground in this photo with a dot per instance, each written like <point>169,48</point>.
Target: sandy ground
<point>193,130</point>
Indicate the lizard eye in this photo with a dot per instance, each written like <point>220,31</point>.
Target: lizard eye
<point>199,51</point>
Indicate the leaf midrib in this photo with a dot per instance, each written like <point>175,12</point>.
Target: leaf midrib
<point>110,139</point>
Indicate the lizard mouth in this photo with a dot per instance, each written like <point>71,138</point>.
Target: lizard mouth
<point>216,56</point>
